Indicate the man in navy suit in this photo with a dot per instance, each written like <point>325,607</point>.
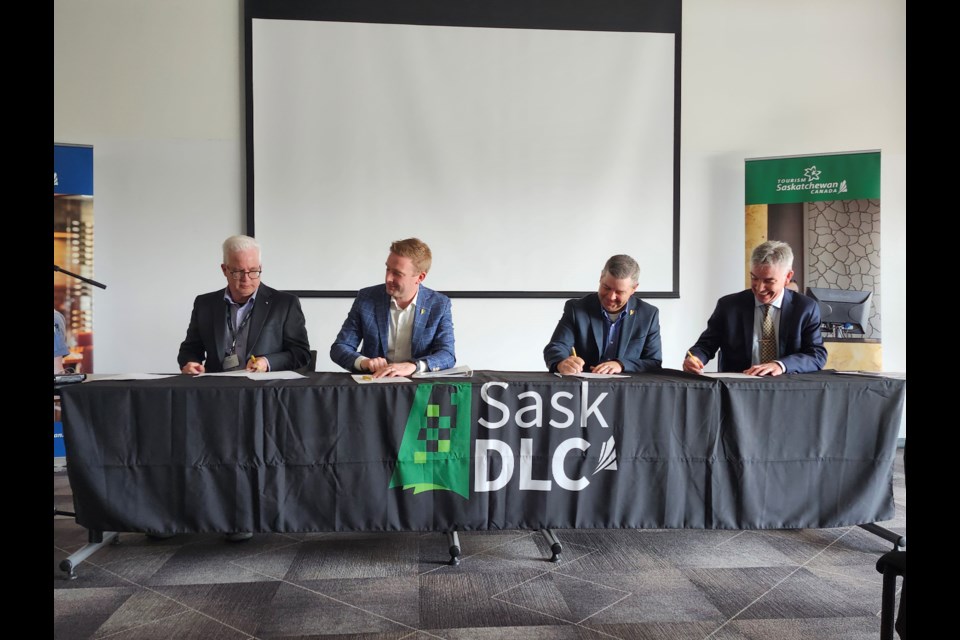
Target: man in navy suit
<point>611,331</point>
<point>736,326</point>
<point>403,327</point>
<point>247,325</point>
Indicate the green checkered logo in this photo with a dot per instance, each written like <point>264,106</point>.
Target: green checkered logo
<point>435,450</point>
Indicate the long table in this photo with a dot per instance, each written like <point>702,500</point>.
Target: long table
<point>499,450</point>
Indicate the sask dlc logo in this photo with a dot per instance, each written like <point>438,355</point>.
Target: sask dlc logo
<point>435,451</point>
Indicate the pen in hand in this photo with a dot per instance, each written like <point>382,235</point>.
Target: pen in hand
<point>574,366</point>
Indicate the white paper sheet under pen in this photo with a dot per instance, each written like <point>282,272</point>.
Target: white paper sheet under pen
<point>257,375</point>
<point>463,371</point>
<point>368,379</point>
<point>133,376</point>
<point>598,376</point>
<point>896,375</point>
<point>728,374</point>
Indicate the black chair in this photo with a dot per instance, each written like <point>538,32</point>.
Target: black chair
<point>891,565</point>
<point>311,366</point>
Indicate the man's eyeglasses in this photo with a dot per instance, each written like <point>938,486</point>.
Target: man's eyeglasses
<point>238,275</point>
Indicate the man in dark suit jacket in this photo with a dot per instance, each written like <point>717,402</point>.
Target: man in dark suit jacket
<point>246,325</point>
<point>611,331</point>
<point>735,328</point>
<point>403,327</point>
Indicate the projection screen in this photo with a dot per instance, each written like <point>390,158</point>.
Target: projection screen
<point>523,151</point>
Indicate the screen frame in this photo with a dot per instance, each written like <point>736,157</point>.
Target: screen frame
<point>652,16</point>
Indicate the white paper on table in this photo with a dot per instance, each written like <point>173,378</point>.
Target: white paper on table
<point>257,375</point>
<point>238,373</point>
<point>730,374</point>
<point>896,375</point>
<point>368,379</point>
<point>132,376</point>
<point>462,371</point>
<point>599,376</point>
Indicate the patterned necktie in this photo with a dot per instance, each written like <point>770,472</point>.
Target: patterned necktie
<point>768,339</point>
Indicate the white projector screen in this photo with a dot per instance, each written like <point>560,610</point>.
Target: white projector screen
<point>523,157</point>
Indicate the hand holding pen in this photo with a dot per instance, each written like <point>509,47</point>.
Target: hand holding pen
<point>571,365</point>
<point>692,364</point>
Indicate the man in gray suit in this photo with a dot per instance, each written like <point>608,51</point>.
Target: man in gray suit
<point>246,325</point>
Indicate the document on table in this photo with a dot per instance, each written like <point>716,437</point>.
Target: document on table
<point>368,379</point>
<point>463,371</point>
<point>598,376</point>
<point>729,374</point>
<point>257,375</point>
<point>133,376</point>
<point>896,375</point>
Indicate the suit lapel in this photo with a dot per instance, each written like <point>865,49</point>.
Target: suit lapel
<point>596,326</point>
<point>786,306</point>
<point>220,328</point>
<point>383,321</point>
<point>749,311</point>
<point>260,311</point>
<point>419,318</point>
<point>626,327</point>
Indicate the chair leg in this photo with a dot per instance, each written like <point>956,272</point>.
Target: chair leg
<point>901,625</point>
<point>888,602</point>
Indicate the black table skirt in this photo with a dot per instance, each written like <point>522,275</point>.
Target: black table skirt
<point>500,450</point>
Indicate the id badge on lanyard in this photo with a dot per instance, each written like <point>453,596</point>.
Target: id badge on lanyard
<point>231,359</point>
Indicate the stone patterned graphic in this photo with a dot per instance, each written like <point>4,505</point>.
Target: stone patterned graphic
<point>843,250</point>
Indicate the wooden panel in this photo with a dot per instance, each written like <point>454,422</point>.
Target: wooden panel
<point>854,356</point>
<point>755,232</point>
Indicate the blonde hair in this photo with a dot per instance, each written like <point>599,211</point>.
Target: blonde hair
<point>415,249</point>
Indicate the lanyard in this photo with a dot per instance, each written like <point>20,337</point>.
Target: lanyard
<point>235,333</point>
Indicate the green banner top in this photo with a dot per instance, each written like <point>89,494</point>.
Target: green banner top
<point>841,176</point>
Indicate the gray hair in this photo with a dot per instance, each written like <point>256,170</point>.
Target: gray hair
<point>622,266</point>
<point>773,252</point>
<point>236,244</point>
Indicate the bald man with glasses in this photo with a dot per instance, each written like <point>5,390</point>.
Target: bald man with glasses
<point>246,325</point>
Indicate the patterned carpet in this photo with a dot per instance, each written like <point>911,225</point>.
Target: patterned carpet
<point>630,584</point>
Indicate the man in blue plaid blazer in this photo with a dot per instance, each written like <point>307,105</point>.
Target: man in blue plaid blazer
<point>400,327</point>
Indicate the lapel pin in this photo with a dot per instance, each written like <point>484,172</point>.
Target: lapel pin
<point>422,311</point>
<point>631,311</point>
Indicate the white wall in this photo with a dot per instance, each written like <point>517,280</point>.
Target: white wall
<point>157,89</point>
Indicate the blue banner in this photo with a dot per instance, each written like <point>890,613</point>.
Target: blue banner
<point>59,450</point>
<point>72,170</point>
